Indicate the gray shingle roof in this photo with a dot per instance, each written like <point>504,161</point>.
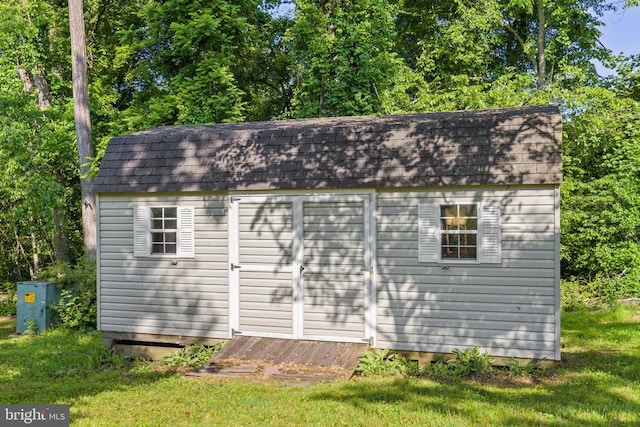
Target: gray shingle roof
<point>506,146</point>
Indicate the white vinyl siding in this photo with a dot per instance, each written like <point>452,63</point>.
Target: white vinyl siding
<point>164,295</point>
<point>508,308</point>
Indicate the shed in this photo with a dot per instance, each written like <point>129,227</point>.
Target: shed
<point>419,232</point>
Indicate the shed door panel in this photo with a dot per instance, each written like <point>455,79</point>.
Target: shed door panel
<point>265,302</point>
<point>301,267</point>
<point>334,264</point>
<point>265,268</point>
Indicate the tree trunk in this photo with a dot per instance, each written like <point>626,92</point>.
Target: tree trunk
<point>541,60</point>
<point>35,254</point>
<point>60,242</point>
<point>83,123</point>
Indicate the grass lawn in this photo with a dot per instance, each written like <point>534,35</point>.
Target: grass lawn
<point>596,384</point>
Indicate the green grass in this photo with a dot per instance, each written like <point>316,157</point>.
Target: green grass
<point>596,384</point>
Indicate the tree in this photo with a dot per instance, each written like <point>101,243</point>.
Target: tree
<point>194,62</point>
<point>465,48</point>
<point>601,192</point>
<point>344,60</point>
<point>36,180</point>
<point>82,123</point>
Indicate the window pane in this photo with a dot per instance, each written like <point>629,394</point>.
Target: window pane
<point>449,252</point>
<point>448,211</point>
<point>468,210</point>
<point>164,224</point>
<point>468,253</point>
<point>459,228</point>
<point>449,223</point>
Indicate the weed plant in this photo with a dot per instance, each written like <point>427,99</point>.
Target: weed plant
<point>381,362</point>
<point>530,369</point>
<point>191,356</point>
<point>467,363</point>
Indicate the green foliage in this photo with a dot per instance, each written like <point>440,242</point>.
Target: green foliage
<point>484,40</point>
<point>191,356</point>
<point>192,62</point>
<point>533,368</point>
<point>8,299</point>
<point>381,362</point>
<point>32,327</point>
<point>601,197</point>
<point>344,60</point>
<point>77,308</point>
<point>103,357</point>
<point>467,363</point>
<point>599,292</point>
<point>38,177</point>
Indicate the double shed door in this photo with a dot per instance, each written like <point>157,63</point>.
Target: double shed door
<point>301,267</point>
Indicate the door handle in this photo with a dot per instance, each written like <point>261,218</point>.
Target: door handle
<point>301,269</point>
<point>234,266</point>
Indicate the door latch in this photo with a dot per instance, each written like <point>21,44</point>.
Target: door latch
<point>234,266</point>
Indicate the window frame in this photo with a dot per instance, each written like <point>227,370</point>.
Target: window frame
<point>144,231</point>
<point>488,233</point>
<point>163,231</point>
<point>442,232</point>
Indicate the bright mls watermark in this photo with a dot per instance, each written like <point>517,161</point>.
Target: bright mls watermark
<point>34,415</point>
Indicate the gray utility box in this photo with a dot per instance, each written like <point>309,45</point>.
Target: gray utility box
<point>34,304</point>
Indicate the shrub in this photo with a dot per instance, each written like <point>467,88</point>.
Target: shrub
<point>8,299</point>
<point>191,356</point>
<point>598,292</point>
<point>77,308</point>
<point>471,362</point>
<point>381,362</point>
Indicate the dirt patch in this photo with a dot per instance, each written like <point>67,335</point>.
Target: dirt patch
<point>7,318</point>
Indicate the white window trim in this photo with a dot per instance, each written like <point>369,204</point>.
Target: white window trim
<point>489,246</point>
<point>185,239</point>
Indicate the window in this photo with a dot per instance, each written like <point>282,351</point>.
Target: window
<point>458,231</point>
<point>465,232</point>
<point>164,231</point>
